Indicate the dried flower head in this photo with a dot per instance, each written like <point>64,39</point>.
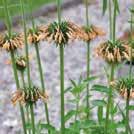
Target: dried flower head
<point>125,87</point>
<point>131,50</point>
<point>61,33</point>
<point>113,52</point>
<point>35,36</point>
<point>21,63</point>
<point>92,32</point>
<point>13,42</point>
<point>1,40</point>
<point>28,96</point>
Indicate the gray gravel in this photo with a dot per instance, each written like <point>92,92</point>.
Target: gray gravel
<point>75,65</point>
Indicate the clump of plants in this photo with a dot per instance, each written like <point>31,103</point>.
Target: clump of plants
<point>79,119</point>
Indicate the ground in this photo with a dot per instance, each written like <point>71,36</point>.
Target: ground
<point>75,65</point>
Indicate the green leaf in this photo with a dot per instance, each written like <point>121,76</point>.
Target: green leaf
<point>114,109</point>
<point>101,88</point>
<point>48,127</point>
<point>73,83</point>
<point>116,5</point>
<point>69,115</point>
<point>124,118</point>
<point>100,114</point>
<point>131,10</point>
<point>80,79</point>
<point>98,103</point>
<point>131,107</point>
<point>74,101</point>
<point>105,2</point>
<point>79,88</point>
<point>86,124</point>
<point>131,21</point>
<point>67,90</point>
<point>90,79</point>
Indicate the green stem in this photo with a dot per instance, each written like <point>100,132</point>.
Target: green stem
<point>26,43</point>
<point>114,22</point>
<point>40,68</point>
<point>110,19</point>
<point>87,13</point>
<point>42,79</point>
<point>7,18</point>
<point>127,113</point>
<point>62,88</point>
<point>113,36</point>
<point>27,110</point>
<point>59,10</point>
<point>77,107</point>
<point>109,101</point>
<point>88,74</point>
<point>131,34</point>
<point>31,13</point>
<point>9,25</point>
<point>18,86</point>
<point>28,118</point>
<point>22,78</point>
<point>130,76</point>
<point>32,118</point>
<point>28,67</point>
<point>88,61</point>
<point>61,47</point>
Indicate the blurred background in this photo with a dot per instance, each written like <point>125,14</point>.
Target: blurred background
<point>44,12</point>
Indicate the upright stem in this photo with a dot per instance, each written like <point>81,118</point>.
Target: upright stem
<point>113,37</point>
<point>40,67</point>
<point>130,77</point>
<point>59,10</point>
<point>27,108</point>
<point>28,67</point>
<point>131,34</point>
<point>109,101</point>
<point>110,20</point>
<point>18,86</point>
<point>114,22</point>
<point>41,78</point>
<point>9,25</point>
<point>77,106</point>
<point>62,88</point>
<point>88,60</point>
<point>26,43</point>
<point>87,13</point>
<point>88,74</point>
<point>127,113</point>
<point>61,50</point>
<point>22,78</point>
<point>31,13</point>
<point>7,18</point>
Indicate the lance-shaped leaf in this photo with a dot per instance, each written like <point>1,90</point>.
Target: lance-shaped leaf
<point>104,6</point>
<point>101,88</point>
<point>116,5</point>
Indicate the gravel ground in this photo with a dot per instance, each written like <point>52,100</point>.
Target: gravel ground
<point>75,65</point>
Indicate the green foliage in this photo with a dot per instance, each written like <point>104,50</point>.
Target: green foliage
<point>105,6</point>
<point>14,6</point>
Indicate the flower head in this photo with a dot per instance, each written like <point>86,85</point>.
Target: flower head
<point>13,42</point>
<point>28,96</point>
<point>113,52</point>
<point>125,87</point>
<point>92,32</point>
<point>35,36</point>
<point>1,40</point>
<point>21,63</point>
<point>131,50</point>
<point>61,33</point>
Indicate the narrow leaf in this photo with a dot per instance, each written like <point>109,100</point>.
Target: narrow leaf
<point>104,6</point>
